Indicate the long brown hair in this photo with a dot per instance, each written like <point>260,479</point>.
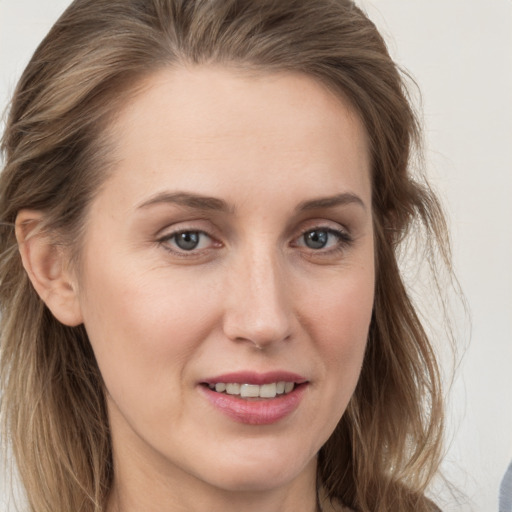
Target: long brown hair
<point>387,446</point>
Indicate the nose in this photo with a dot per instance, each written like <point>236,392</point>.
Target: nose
<point>258,304</point>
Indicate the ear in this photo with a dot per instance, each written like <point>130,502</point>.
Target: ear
<point>47,266</point>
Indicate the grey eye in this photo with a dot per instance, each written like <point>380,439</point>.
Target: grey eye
<point>188,240</point>
<point>316,239</point>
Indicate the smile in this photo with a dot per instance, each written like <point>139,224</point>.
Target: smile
<point>255,398</point>
<point>270,390</point>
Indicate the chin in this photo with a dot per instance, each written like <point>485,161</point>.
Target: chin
<point>260,481</point>
<point>261,475</point>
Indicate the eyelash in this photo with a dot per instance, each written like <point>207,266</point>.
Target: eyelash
<point>166,240</point>
<point>344,240</point>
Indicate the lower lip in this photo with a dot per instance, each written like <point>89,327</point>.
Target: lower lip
<point>256,412</point>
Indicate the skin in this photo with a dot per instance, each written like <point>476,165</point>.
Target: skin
<point>252,296</point>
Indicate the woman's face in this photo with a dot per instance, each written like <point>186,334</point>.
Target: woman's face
<point>231,248</point>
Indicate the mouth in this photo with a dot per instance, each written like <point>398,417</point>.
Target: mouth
<point>248,391</point>
<point>255,398</point>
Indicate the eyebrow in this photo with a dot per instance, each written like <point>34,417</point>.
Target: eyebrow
<point>331,202</point>
<point>200,202</point>
<point>195,201</point>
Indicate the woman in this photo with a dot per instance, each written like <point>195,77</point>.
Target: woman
<point>202,206</point>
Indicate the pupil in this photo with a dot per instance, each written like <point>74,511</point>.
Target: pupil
<point>316,239</point>
<point>187,241</point>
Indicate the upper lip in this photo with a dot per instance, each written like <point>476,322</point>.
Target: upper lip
<point>251,377</point>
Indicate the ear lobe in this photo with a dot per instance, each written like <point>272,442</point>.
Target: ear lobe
<point>47,267</point>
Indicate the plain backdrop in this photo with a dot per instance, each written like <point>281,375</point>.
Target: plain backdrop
<point>460,54</point>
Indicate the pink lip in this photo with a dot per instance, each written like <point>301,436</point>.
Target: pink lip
<point>256,378</point>
<point>255,411</point>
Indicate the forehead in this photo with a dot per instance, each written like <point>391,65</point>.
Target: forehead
<point>200,124</point>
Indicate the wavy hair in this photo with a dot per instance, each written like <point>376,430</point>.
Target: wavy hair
<point>387,446</point>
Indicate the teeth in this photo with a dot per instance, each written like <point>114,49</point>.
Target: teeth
<point>268,390</point>
<point>233,388</point>
<point>253,390</point>
<point>249,391</point>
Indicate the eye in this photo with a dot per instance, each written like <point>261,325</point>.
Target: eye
<point>316,239</point>
<point>187,241</point>
<point>323,238</point>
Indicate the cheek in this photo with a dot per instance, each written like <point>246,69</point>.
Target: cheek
<point>343,310</point>
<point>338,320</point>
<point>143,327</point>
<point>346,343</point>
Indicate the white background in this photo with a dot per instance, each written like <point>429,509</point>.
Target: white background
<point>460,53</point>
